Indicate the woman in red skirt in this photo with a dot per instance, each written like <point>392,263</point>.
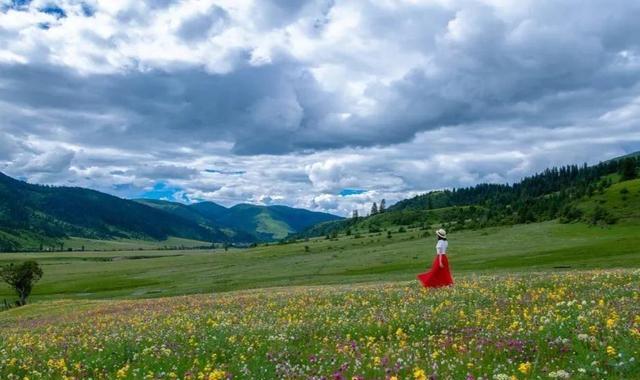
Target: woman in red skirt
<point>439,275</point>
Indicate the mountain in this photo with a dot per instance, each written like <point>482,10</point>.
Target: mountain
<point>261,223</point>
<point>570,194</point>
<point>204,219</point>
<point>31,215</point>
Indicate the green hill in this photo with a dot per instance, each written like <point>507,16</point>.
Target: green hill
<point>195,215</point>
<point>569,194</point>
<point>35,216</point>
<point>252,222</point>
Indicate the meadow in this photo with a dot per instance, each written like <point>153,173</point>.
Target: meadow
<point>546,246</point>
<point>531,301</point>
<point>578,325</point>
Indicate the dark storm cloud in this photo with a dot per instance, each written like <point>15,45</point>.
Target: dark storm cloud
<point>537,70</point>
<point>257,108</point>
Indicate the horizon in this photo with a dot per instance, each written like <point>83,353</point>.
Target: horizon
<point>344,192</point>
<point>321,105</point>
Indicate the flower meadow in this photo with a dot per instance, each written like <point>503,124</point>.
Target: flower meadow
<point>575,325</point>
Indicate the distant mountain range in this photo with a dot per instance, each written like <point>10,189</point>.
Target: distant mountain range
<point>34,215</point>
<point>261,223</point>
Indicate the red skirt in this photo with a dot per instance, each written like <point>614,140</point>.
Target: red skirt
<point>437,276</point>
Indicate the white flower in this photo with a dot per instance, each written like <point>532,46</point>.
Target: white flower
<point>559,374</point>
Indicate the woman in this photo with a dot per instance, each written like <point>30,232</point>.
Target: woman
<point>439,275</point>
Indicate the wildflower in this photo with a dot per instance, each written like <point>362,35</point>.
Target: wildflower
<point>122,372</point>
<point>419,374</point>
<point>524,368</point>
<point>611,351</point>
<point>559,374</point>
<point>217,374</point>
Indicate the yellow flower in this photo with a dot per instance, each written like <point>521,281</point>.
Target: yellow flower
<point>122,372</point>
<point>611,351</point>
<point>217,374</point>
<point>419,374</point>
<point>524,368</point>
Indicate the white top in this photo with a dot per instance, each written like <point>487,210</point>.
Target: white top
<point>441,247</point>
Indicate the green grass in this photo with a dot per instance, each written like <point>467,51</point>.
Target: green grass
<point>77,243</point>
<point>373,257</point>
<point>622,199</point>
<point>267,225</point>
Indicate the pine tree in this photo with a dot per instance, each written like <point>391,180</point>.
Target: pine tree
<point>374,208</point>
<point>355,214</point>
<point>383,206</point>
<point>628,169</point>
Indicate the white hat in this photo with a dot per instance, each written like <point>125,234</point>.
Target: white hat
<point>442,233</point>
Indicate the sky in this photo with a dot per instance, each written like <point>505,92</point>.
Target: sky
<point>325,105</point>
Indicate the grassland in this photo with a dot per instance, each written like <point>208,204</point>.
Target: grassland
<point>546,246</point>
<point>578,325</point>
<point>540,300</point>
<point>76,244</point>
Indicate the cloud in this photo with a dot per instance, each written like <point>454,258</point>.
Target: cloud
<point>166,172</point>
<point>202,25</point>
<point>287,101</point>
<point>52,162</point>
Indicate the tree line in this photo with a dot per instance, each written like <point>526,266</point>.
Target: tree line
<point>551,194</point>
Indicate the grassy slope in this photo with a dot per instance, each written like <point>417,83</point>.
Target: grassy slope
<point>266,224</point>
<point>621,199</point>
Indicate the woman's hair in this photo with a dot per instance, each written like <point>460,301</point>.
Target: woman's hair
<point>441,238</point>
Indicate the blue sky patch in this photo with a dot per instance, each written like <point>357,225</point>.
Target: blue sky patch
<point>347,192</point>
<point>163,191</point>
<point>19,4</point>
<point>54,10</point>
<point>87,10</point>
